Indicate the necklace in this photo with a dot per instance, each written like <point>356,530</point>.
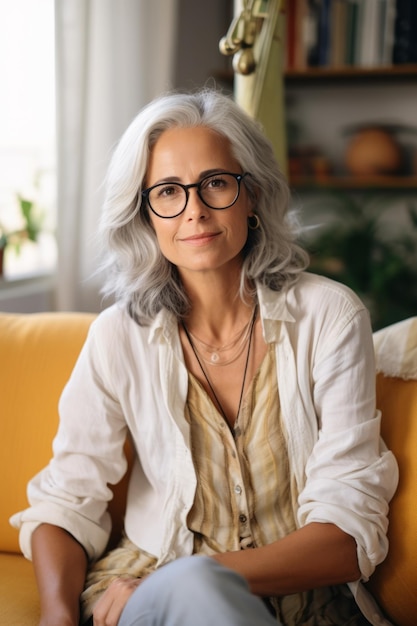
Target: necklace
<point>222,411</point>
<point>214,352</point>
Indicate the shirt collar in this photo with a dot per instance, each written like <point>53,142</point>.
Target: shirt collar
<point>163,326</point>
<point>273,309</point>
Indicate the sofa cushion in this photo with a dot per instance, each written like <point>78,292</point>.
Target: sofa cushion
<point>37,354</point>
<point>19,603</point>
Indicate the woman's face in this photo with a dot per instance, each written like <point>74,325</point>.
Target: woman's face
<point>200,239</point>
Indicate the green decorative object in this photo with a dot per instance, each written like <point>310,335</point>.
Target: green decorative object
<point>32,222</point>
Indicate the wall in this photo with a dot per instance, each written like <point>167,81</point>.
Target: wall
<point>27,295</point>
<point>201,26</point>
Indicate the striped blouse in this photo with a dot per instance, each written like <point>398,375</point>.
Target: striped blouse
<point>245,496</point>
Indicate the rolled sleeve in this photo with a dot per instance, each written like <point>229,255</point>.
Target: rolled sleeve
<point>92,536</point>
<point>73,491</point>
<point>350,475</point>
<point>344,489</point>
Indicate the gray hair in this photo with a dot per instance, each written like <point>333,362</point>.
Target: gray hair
<point>136,271</point>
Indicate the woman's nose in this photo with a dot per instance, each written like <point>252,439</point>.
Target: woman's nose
<point>195,206</point>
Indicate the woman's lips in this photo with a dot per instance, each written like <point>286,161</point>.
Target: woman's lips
<point>199,238</point>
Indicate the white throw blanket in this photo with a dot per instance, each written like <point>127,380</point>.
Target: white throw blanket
<point>396,349</point>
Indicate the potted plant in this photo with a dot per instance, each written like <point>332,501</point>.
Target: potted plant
<point>29,231</point>
<point>366,250</point>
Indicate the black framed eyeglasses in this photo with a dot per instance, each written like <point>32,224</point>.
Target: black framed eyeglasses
<point>218,191</point>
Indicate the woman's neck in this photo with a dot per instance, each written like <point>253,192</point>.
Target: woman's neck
<point>217,309</point>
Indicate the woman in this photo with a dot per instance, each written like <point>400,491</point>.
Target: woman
<point>245,385</point>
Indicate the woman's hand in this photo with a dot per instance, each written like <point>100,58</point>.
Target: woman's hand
<point>109,608</point>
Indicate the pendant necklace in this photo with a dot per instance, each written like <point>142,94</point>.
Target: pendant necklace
<point>222,411</point>
<point>214,353</point>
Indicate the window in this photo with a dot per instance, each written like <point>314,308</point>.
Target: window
<point>27,134</point>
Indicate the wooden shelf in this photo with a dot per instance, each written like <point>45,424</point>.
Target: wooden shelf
<point>351,74</point>
<point>338,74</point>
<point>395,183</point>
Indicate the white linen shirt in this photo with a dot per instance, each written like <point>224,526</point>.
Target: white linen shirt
<point>133,379</point>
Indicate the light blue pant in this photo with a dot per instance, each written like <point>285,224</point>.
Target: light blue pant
<point>195,591</point>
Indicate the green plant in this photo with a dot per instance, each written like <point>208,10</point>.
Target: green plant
<point>31,225</point>
<point>371,254</point>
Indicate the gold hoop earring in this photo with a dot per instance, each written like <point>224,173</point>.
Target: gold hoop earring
<point>254,222</point>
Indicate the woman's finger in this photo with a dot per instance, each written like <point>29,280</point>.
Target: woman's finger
<point>109,608</point>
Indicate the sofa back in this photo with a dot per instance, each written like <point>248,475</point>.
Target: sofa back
<point>37,354</point>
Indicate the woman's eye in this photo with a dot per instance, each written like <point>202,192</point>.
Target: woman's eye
<point>167,190</point>
<point>214,183</point>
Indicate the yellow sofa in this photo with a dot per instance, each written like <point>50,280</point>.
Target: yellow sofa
<point>37,353</point>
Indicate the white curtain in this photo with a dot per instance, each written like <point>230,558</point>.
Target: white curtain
<point>113,56</point>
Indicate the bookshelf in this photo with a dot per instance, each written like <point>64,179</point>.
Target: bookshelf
<point>322,104</point>
<point>346,77</point>
<point>350,33</point>
<point>350,64</point>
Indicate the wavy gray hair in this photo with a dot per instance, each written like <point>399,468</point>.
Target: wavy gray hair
<point>136,271</point>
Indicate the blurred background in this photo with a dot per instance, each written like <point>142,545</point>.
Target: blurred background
<point>333,82</point>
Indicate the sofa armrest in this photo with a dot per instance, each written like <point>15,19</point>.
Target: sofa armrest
<point>394,583</point>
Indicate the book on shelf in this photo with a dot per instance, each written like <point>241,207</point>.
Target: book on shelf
<point>405,34</point>
<point>358,33</point>
<point>368,44</point>
<point>339,34</point>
